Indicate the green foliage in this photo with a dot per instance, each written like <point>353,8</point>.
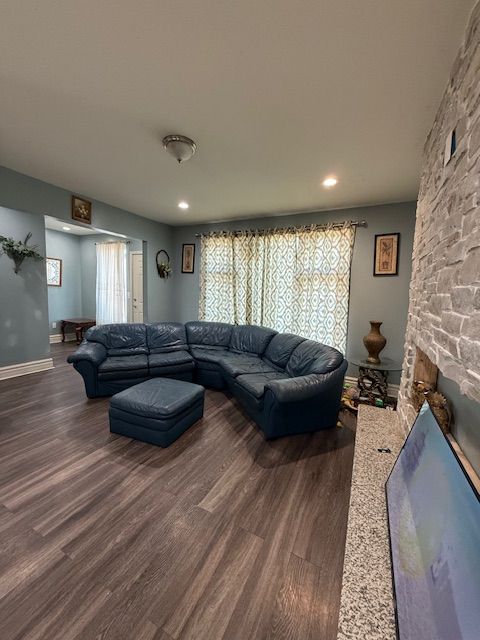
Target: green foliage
<point>18,250</point>
<point>164,269</point>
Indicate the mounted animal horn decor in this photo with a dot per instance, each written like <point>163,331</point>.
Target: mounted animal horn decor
<point>163,266</point>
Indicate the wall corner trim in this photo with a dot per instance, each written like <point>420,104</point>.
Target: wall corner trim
<point>24,368</point>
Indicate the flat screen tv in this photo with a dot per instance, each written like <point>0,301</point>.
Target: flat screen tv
<point>434,524</point>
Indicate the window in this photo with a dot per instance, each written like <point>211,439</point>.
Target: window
<point>111,282</point>
<point>294,281</point>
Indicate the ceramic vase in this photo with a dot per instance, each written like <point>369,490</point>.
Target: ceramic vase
<point>374,342</point>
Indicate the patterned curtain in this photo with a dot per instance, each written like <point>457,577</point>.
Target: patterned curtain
<point>293,280</point>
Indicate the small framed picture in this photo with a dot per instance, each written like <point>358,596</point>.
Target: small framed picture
<point>81,210</point>
<point>386,254</point>
<point>188,258</point>
<point>54,272</point>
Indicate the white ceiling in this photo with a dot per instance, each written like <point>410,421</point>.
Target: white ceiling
<point>277,94</point>
<point>60,225</point>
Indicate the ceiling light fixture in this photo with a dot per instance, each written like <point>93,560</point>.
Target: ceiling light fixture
<point>66,228</point>
<point>180,147</point>
<point>328,183</point>
<point>183,205</point>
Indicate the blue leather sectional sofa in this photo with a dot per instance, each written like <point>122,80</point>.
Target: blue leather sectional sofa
<point>286,384</point>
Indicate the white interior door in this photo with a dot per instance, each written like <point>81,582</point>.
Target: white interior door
<point>136,262</point>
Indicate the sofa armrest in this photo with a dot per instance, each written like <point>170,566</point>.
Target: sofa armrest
<point>306,387</point>
<point>92,352</point>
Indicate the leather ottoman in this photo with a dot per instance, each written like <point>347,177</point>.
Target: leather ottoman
<point>157,411</point>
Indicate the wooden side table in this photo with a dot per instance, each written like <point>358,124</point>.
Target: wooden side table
<point>80,324</point>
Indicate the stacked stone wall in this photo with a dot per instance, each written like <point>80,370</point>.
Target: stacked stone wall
<point>444,307</point>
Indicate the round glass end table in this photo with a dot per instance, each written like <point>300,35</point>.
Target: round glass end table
<point>373,378</point>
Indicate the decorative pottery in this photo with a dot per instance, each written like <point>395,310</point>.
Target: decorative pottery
<point>374,342</point>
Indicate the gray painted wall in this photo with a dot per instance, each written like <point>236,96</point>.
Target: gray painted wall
<point>371,298</point>
<point>23,296</point>
<point>177,298</point>
<point>25,321</point>
<point>24,193</point>
<point>466,420</point>
<point>65,301</point>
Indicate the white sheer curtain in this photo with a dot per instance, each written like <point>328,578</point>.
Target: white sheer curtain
<point>293,280</point>
<point>111,282</point>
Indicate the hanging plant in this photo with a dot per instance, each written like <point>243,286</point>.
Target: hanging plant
<point>18,250</point>
<point>163,265</point>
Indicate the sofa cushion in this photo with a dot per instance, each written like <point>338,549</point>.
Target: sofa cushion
<point>255,383</point>
<point>281,348</point>
<point>120,339</point>
<point>215,334</point>
<point>170,362</point>
<point>313,357</point>
<point>207,357</point>
<point>236,364</point>
<point>116,367</point>
<point>250,339</point>
<point>166,336</point>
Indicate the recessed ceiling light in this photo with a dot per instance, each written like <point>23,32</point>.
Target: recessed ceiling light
<point>183,205</point>
<point>329,182</point>
<point>66,228</point>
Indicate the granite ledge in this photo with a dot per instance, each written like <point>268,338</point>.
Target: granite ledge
<point>366,608</point>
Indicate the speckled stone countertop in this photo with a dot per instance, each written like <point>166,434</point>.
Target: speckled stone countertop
<point>366,609</point>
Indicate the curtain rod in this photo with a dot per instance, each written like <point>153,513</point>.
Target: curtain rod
<point>312,227</point>
<point>114,242</point>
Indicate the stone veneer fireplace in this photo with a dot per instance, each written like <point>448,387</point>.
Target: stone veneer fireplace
<point>444,308</point>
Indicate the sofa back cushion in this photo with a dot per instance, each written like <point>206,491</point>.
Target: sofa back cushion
<point>120,339</point>
<point>208,334</point>
<point>163,337</point>
<point>281,348</point>
<point>313,357</point>
<point>250,339</point>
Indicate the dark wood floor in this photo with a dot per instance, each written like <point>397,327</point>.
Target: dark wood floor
<point>222,535</point>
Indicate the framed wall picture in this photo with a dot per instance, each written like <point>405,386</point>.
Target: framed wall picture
<point>385,262</point>
<point>54,272</point>
<point>188,258</point>
<point>81,210</point>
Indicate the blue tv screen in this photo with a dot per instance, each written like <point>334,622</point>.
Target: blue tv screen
<point>434,523</point>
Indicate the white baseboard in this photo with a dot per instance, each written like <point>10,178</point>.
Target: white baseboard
<point>392,388</point>
<point>24,368</point>
<point>57,337</point>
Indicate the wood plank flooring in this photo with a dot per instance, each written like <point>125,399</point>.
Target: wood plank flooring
<point>220,536</point>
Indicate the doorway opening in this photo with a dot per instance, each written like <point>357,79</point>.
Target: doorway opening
<point>94,277</point>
